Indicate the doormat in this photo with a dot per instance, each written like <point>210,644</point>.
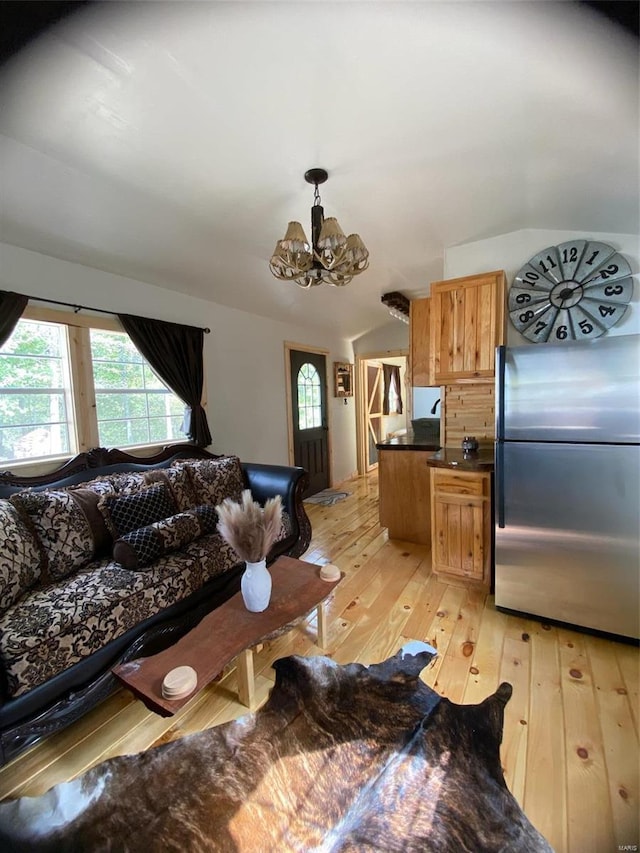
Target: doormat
<point>327,497</point>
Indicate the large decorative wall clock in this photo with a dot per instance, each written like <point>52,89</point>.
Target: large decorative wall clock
<point>576,290</point>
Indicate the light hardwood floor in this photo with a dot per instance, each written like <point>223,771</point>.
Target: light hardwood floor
<point>570,746</point>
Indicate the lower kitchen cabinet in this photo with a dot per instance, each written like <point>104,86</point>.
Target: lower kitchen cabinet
<point>404,494</point>
<point>461,525</point>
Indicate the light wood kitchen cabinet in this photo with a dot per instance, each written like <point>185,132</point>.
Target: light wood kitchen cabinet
<point>405,495</point>
<point>467,323</point>
<point>420,355</point>
<point>461,525</point>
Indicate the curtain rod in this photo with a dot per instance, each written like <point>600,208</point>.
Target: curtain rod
<point>77,308</point>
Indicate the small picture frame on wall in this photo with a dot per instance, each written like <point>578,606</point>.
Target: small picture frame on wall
<point>343,379</point>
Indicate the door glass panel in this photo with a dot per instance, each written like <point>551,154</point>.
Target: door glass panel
<point>309,397</point>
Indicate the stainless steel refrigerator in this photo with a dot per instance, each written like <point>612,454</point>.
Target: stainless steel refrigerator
<point>567,482</point>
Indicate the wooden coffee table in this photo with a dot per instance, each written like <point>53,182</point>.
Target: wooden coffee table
<point>231,631</point>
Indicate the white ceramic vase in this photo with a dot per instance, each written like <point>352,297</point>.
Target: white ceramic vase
<point>256,586</point>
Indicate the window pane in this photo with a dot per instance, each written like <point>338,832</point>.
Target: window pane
<point>309,397</point>
<point>159,427</point>
<point>150,379</point>
<point>35,416</point>
<point>109,374</point>
<point>122,433</point>
<point>132,404</point>
<point>115,405</point>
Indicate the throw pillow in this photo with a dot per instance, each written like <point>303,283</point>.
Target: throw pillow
<point>179,483</point>
<point>215,479</point>
<point>144,546</point>
<point>127,482</point>
<point>62,529</point>
<point>99,485</point>
<point>123,513</point>
<point>20,558</point>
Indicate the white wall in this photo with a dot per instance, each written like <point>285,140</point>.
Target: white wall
<point>243,355</point>
<point>509,252</point>
<point>423,400</point>
<point>392,336</point>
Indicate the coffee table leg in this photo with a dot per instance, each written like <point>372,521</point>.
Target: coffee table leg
<point>323,630</point>
<point>246,681</point>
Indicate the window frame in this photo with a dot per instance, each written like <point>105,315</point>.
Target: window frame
<point>84,424</point>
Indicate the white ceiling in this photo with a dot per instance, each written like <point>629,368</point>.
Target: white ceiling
<point>168,142</point>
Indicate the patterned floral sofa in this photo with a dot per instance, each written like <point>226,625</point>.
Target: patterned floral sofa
<point>110,558</point>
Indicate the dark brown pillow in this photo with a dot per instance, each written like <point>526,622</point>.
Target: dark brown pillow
<point>88,501</point>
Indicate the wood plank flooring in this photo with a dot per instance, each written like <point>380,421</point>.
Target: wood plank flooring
<point>570,747</point>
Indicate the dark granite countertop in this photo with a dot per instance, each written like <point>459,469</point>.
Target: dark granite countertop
<point>408,442</point>
<point>454,457</point>
<point>444,457</point>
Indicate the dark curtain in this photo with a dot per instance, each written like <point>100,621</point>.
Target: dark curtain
<point>391,374</point>
<point>175,354</point>
<point>11,307</point>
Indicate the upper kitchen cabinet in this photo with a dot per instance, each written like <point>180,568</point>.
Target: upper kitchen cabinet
<point>467,323</point>
<point>419,351</point>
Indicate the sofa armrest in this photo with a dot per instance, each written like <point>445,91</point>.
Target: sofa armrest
<point>266,481</point>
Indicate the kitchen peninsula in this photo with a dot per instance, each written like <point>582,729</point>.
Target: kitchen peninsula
<point>405,497</point>
<point>440,496</point>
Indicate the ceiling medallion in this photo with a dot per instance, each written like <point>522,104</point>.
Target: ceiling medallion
<point>576,290</point>
<point>331,258</point>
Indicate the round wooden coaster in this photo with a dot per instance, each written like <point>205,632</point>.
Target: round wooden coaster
<point>179,682</point>
<point>329,572</point>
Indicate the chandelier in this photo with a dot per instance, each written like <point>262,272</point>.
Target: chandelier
<point>330,258</point>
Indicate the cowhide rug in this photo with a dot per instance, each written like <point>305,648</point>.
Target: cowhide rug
<point>341,758</point>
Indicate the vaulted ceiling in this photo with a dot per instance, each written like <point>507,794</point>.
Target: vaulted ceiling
<point>167,142</point>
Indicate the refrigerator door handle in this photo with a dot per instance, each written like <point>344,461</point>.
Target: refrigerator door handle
<point>500,373</point>
<point>499,484</point>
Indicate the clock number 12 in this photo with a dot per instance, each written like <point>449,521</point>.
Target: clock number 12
<point>569,256</point>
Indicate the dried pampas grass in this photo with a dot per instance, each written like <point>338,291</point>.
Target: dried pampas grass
<point>249,528</point>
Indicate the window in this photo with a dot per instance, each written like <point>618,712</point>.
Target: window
<point>35,393</point>
<point>393,397</point>
<point>52,373</point>
<point>309,399</point>
<point>132,404</point>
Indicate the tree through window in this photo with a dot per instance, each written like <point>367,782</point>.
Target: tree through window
<point>35,392</point>
<point>309,397</point>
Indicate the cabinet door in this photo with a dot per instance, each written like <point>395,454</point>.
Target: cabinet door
<point>467,324</point>
<point>461,524</point>
<point>420,350</point>
<point>458,537</point>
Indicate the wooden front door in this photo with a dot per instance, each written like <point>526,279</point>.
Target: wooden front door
<point>309,415</point>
